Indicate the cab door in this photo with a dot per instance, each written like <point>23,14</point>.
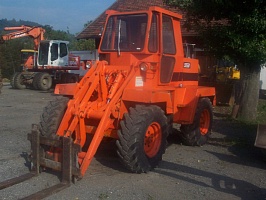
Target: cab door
<point>168,59</point>
<point>59,54</point>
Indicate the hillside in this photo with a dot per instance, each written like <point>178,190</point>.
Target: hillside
<point>7,23</point>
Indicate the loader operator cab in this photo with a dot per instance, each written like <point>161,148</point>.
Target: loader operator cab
<point>142,33</point>
<point>127,33</point>
<point>53,53</point>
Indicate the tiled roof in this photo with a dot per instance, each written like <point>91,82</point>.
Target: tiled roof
<point>94,29</point>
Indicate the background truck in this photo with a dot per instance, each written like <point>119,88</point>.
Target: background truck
<point>41,71</point>
<point>139,88</point>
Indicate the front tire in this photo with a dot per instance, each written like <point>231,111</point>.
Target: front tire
<point>52,116</point>
<point>142,138</point>
<point>197,134</point>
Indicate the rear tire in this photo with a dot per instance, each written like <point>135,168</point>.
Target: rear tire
<point>44,81</point>
<point>52,116</point>
<point>197,134</point>
<point>142,138</point>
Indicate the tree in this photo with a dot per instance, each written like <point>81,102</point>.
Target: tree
<point>235,29</point>
<point>81,45</point>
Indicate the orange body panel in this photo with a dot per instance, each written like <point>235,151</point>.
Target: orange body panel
<point>29,63</point>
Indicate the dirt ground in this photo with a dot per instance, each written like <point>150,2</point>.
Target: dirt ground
<point>228,167</point>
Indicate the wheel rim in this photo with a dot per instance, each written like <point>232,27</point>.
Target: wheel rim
<point>45,81</point>
<point>153,139</point>
<point>204,122</point>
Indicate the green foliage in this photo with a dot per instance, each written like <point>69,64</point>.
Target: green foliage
<point>10,50</point>
<point>234,28</point>
<point>10,57</point>
<point>80,45</point>
<point>51,34</point>
<point>5,23</point>
<point>261,118</point>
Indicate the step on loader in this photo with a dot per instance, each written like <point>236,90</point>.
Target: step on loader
<point>142,84</point>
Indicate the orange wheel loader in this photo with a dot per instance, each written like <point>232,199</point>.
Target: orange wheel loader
<point>142,85</point>
<point>139,88</point>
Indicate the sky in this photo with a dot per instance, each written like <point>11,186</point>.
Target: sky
<point>60,14</point>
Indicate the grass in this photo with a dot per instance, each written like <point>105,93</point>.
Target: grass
<point>243,132</point>
<point>261,111</point>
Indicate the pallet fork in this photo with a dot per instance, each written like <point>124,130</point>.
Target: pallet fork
<point>67,166</point>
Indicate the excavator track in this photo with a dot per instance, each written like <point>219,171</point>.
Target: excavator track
<point>68,167</point>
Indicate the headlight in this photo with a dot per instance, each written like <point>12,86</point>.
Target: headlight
<point>143,67</point>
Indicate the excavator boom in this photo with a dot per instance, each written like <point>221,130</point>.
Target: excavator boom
<point>37,33</point>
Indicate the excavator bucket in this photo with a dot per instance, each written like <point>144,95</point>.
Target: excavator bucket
<point>261,136</point>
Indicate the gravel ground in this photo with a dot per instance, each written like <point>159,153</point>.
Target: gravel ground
<point>228,167</point>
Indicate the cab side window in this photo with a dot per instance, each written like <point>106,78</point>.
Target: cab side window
<point>168,36</point>
<point>153,37</point>
<point>54,52</point>
<point>63,50</point>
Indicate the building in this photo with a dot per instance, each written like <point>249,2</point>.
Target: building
<point>94,29</point>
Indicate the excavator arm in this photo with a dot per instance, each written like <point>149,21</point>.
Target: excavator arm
<point>37,33</point>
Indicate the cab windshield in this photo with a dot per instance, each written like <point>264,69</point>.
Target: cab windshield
<point>125,33</point>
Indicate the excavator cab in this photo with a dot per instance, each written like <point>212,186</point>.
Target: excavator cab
<point>53,53</point>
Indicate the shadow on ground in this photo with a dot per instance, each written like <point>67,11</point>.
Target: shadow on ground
<point>221,183</point>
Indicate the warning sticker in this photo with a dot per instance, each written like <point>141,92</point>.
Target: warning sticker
<point>139,81</point>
